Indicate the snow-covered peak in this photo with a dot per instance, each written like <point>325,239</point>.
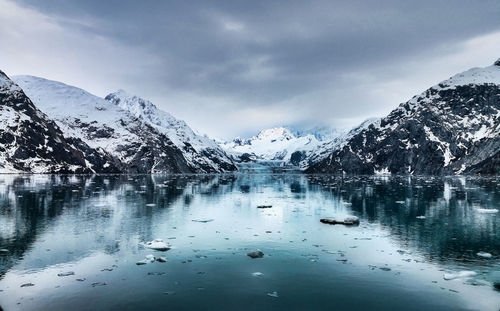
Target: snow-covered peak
<point>177,130</point>
<point>142,108</point>
<point>477,75</point>
<point>276,133</point>
<point>60,100</point>
<point>279,143</point>
<point>6,84</point>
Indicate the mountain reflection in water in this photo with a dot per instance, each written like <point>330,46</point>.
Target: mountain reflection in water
<point>94,226</point>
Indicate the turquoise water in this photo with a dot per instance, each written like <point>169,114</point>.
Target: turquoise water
<point>93,227</point>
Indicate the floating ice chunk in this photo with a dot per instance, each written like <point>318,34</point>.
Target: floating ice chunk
<point>157,244</point>
<point>149,258</point>
<point>459,275</point>
<point>256,254</point>
<point>151,205</point>
<point>486,210</point>
<point>203,220</point>
<point>420,217</point>
<point>484,255</point>
<point>161,259</point>
<point>257,274</point>
<point>273,294</point>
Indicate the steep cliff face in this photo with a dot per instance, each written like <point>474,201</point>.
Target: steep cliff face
<point>451,128</point>
<point>125,141</point>
<point>31,143</point>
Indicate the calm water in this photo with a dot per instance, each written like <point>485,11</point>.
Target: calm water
<point>93,226</point>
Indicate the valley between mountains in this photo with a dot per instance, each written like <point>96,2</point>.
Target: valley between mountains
<point>51,127</point>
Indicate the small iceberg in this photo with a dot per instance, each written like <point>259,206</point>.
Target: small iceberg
<point>484,255</point>
<point>273,294</point>
<point>149,258</point>
<point>157,244</point>
<point>486,210</point>
<point>257,274</point>
<point>459,275</point>
<point>420,217</point>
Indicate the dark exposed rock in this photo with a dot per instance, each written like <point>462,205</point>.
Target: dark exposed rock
<point>256,254</point>
<point>246,157</point>
<point>348,221</point>
<point>264,206</point>
<point>297,157</point>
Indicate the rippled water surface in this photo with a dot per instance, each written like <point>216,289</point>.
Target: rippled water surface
<point>72,242</point>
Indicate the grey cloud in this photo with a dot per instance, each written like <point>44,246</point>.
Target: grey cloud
<point>269,53</point>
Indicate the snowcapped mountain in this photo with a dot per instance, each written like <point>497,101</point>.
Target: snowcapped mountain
<point>274,144</point>
<point>128,143</point>
<point>289,146</point>
<point>31,143</point>
<point>200,152</point>
<point>451,128</point>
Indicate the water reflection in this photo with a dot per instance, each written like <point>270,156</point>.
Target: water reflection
<point>55,223</point>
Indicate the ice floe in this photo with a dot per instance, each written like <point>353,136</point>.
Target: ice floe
<point>459,275</point>
<point>486,210</point>
<point>484,255</point>
<point>157,244</point>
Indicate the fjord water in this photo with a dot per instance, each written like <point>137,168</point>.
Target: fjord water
<point>93,227</point>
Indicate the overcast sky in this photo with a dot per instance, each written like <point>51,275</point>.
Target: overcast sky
<point>232,68</point>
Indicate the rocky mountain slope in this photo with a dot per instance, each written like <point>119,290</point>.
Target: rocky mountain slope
<point>31,143</point>
<point>128,143</point>
<point>451,128</point>
<point>200,152</point>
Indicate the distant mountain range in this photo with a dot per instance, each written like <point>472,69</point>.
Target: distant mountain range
<point>290,146</point>
<point>50,127</point>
